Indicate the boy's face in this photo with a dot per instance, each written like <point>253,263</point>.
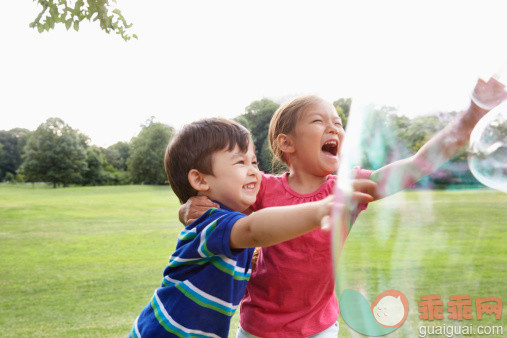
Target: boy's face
<point>236,178</point>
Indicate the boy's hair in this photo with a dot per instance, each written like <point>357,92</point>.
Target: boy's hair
<point>284,121</point>
<point>193,146</point>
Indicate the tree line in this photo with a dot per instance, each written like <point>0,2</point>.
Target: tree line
<point>58,154</point>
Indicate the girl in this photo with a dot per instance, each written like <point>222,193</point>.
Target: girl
<point>291,291</point>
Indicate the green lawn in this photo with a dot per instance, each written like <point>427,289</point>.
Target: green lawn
<point>84,261</point>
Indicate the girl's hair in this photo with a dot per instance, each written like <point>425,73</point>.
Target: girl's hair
<point>284,122</point>
<point>194,146</point>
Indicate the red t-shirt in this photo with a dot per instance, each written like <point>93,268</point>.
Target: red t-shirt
<point>291,290</point>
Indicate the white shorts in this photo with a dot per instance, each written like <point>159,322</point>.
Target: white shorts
<point>331,332</point>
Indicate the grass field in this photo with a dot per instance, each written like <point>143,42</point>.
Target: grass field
<point>84,261</point>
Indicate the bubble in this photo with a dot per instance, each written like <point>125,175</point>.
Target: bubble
<point>487,154</point>
<point>423,253</point>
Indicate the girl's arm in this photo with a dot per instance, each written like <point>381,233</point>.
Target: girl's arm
<point>194,208</point>
<point>441,147</point>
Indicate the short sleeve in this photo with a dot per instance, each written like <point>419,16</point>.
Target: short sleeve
<point>208,236</point>
<point>361,173</point>
<point>260,195</point>
<point>215,238</point>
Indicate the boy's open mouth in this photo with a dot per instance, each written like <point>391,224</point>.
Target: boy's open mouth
<point>331,147</point>
<point>250,186</point>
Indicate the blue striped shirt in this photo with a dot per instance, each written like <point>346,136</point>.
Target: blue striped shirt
<point>203,283</point>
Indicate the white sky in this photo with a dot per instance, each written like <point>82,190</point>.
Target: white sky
<point>213,58</point>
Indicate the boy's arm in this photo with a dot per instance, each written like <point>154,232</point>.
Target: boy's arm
<point>441,147</point>
<point>277,224</point>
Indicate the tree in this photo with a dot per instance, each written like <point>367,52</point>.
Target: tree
<point>97,171</point>
<point>3,162</point>
<point>71,13</point>
<point>117,155</point>
<point>55,153</point>
<point>256,119</point>
<point>343,108</point>
<point>147,150</point>
<point>11,142</point>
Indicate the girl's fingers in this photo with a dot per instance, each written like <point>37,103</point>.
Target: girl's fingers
<point>203,201</point>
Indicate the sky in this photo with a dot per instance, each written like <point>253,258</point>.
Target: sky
<point>197,59</point>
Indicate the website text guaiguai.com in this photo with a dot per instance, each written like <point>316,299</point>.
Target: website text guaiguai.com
<point>464,330</point>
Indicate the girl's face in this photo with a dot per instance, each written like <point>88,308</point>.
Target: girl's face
<point>317,139</point>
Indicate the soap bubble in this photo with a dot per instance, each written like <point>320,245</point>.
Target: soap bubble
<point>433,250</point>
<point>487,156</point>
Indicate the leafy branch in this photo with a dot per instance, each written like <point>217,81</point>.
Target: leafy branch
<point>71,13</point>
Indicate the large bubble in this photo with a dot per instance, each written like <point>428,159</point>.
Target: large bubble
<point>429,259</point>
<point>488,149</point>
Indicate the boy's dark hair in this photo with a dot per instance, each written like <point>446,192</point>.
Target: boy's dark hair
<point>193,146</point>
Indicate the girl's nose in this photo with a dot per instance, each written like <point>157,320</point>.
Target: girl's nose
<point>333,128</point>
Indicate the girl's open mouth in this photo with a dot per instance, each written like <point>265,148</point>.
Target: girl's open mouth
<point>331,147</point>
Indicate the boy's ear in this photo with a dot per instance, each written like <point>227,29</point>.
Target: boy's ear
<point>285,143</point>
<point>197,180</point>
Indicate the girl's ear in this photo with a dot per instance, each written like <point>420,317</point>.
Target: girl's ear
<point>285,143</point>
<point>197,180</point>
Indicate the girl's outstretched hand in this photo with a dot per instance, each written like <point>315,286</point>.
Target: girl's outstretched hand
<point>488,94</point>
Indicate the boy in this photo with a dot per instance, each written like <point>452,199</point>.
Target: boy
<point>207,274</point>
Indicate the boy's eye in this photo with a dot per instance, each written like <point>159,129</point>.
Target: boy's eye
<point>317,120</point>
<point>240,162</point>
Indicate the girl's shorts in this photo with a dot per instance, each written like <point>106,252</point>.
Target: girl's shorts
<point>331,332</point>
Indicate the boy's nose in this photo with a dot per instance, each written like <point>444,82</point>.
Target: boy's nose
<point>252,170</point>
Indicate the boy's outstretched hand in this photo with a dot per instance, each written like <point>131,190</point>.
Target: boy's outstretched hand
<point>363,191</point>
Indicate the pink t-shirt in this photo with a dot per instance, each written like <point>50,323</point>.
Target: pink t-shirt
<point>291,291</point>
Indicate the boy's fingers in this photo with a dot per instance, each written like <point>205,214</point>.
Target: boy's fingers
<point>362,197</point>
<point>363,184</point>
<point>325,223</point>
<point>366,186</point>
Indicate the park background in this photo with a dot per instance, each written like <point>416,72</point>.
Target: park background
<point>90,113</point>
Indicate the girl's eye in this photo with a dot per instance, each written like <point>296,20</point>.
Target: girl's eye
<point>317,120</point>
<point>254,163</point>
<point>240,162</point>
